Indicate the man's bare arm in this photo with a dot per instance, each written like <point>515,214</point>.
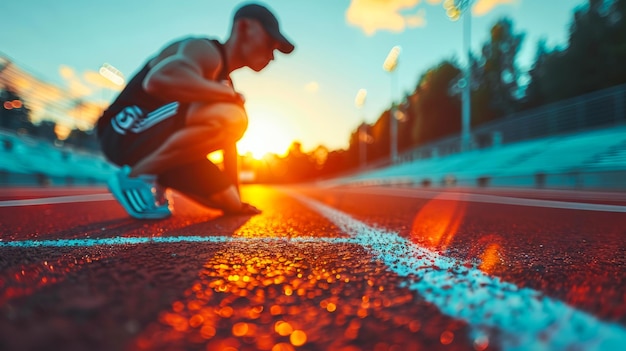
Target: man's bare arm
<point>231,167</point>
<point>189,75</point>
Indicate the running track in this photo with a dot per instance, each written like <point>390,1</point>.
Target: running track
<point>321,269</point>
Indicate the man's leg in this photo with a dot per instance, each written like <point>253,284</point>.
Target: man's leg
<point>227,200</point>
<point>123,148</point>
<point>205,183</point>
<point>208,127</point>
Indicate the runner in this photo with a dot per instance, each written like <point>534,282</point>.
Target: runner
<point>182,106</point>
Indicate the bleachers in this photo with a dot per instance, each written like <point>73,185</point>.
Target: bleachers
<point>596,158</point>
<point>614,158</point>
<point>28,161</point>
<point>579,159</point>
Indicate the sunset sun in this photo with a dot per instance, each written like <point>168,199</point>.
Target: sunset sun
<point>266,134</point>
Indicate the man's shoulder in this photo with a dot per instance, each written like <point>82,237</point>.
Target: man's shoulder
<point>200,45</point>
<point>203,51</point>
<point>189,41</point>
<point>195,40</point>
<point>190,47</point>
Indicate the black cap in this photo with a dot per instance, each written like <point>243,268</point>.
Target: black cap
<point>268,21</point>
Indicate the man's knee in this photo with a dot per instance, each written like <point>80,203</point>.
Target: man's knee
<point>231,118</point>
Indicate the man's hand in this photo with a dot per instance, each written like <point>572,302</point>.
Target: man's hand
<point>239,99</point>
<point>245,210</point>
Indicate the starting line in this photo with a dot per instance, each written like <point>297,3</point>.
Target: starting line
<point>120,240</point>
<point>57,200</point>
<point>525,319</point>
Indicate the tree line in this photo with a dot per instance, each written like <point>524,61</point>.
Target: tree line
<point>15,116</point>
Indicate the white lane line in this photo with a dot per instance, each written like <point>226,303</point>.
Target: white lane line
<point>525,318</point>
<point>164,239</point>
<point>57,200</point>
<point>490,199</point>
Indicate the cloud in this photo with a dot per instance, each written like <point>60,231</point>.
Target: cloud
<point>75,85</point>
<point>374,15</point>
<point>312,87</point>
<point>416,20</point>
<point>391,15</point>
<point>69,108</point>
<point>84,113</point>
<point>36,94</point>
<point>96,79</point>
<point>484,6</point>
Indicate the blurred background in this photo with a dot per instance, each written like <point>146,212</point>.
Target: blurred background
<point>428,93</point>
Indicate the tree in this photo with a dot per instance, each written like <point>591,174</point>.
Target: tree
<point>616,35</point>
<point>380,146</point>
<point>13,111</point>
<point>83,139</point>
<point>300,166</point>
<point>436,111</point>
<point>406,122</point>
<point>336,162</point>
<point>498,90</point>
<point>594,58</point>
<point>537,89</point>
<point>45,131</point>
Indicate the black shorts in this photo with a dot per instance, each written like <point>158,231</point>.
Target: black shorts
<point>133,133</point>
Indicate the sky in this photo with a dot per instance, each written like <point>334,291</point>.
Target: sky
<point>309,95</point>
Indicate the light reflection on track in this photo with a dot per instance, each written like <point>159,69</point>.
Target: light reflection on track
<point>524,318</point>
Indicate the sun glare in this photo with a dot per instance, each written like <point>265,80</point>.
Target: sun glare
<point>265,134</point>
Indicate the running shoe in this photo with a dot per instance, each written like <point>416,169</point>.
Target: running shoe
<point>136,195</point>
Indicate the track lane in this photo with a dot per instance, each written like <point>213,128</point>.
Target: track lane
<point>573,255</point>
<point>318,242</point>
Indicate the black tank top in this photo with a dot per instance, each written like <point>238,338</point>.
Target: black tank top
<point>134,93</point>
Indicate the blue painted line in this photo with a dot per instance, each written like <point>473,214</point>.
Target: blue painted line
<point>57,200</point>
<point>526,318</point>
<point>490,199</point>
<point>164,239</point>
<point>111,241</point>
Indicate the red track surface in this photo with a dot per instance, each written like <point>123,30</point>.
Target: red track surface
<point>252,294</point>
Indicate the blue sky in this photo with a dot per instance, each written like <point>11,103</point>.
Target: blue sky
<point>306,96</point>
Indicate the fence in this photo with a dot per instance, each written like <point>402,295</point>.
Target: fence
<point>598,109</point>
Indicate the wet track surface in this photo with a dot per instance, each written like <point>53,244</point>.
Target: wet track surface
<point>320,269</point>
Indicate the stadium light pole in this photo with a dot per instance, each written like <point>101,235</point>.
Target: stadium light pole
<point>111,74</point>
<point>455,9</point>
<point>359,100</point>
<point>390,65</point>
